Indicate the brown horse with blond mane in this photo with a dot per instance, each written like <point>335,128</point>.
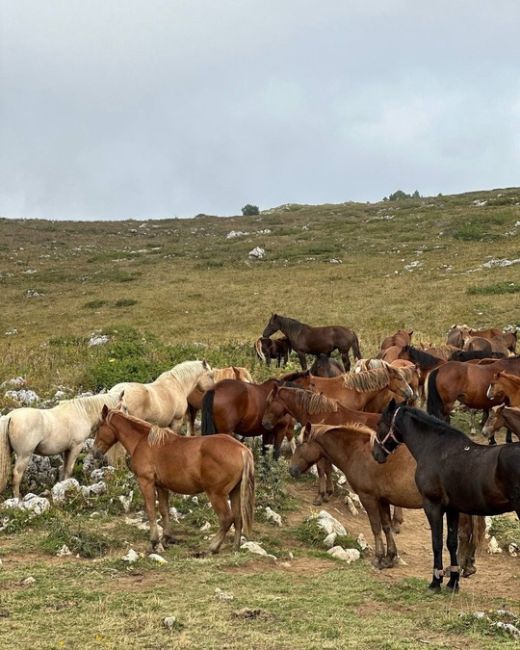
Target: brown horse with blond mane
<point>164,461</point>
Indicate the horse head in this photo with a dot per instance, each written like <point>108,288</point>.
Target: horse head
<point>494,421</point>
<point>385,441</point>
<point>272,326</point>
<point>105,436</point>
<point>206,380</point>
<point>274,410</point>
<point>494,391</point>
<point>305,455</point>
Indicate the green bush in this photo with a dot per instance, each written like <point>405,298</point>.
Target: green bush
<point>250,210</point>
<point>126,302</point>
<point>497,288</point>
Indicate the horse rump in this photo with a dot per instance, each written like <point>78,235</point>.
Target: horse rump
<point>5,452</point>
<point>207,426</point>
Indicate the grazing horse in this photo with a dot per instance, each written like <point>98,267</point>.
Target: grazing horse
<point>164,461</point>
<point>502,416</point>
<point>267,349</point>
<point>305,339</point>
<point>236,407</point>
<point>489,346</point>
<point>454,475</point>
<point>165,401</point>
<point>349,447</point>
<point>196,395</point>
<point>457,334</point>
<point>400,339</point>
<point>324,366</point>
<point>60,430</point>
<point>356,390</point>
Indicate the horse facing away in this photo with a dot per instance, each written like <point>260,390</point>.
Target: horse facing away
<point>60,430</point>
<point>324,366</point>
<point>305,339</point>
<point>165,401</point>
<point>349,447</point>
<point>164,461</point>
<point>267,349</point>
<point>400,339</point>
<point>196,395</point>
<point>502,416</point>
<point>454,475</point>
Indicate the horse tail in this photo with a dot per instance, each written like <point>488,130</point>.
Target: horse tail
<point>434,403</point>
<point>259,351</point>
<point>247,492</point>
<point>355,347</point>
<point>472,529</point>
<point>5,452</point>
<point>207,426</point>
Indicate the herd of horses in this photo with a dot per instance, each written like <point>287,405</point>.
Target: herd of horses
<point>356,421</point>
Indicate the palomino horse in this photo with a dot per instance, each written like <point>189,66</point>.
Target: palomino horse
<point>356,390</point>
<point>349,447</point>
<point>454,475</point>
<point>196,395</point>
<point>305,339</point>
<point>236,407</point>
<point>502,416</point>
<point>60,430</point>
<point>165,401</point>
<point>324,366</point>
<point>400,339</point>
<point>267,349</point>
<point>164,461</point>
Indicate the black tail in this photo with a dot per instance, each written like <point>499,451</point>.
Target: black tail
<point>355,347</point>
<point>434,403</point>
<point>422,359</point>
<point>207,426</point>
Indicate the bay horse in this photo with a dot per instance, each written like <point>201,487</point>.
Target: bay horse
<point>237,407</point>
<point>196,395</point>
<point>324,366</point>
<point>400,339</point>
<point>502,416</point>
<point>454,475</point>
<point>488,346</point>
<point>267,349</point>
<point>457,334</point>
<point>165,401</point>
<point>349,447</point>
<point>305,339</point>
<point>164,461</point>
<point>59,430</point>
<point>505,388</point>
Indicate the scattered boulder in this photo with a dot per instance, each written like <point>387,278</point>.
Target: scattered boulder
<point>27,582</point>
<point>257,252</point>
<point>273,516</point>
<point>31,502</point>
<point>64,490</point>
<point>64,550</point>
<point>97,488</point>
<point>155,557</point>
<point>98,339</point>
<point>131,556</point>
<point>248,613</point>
<point>346,555</point>
<point>223,595</point>
<point>508,628</point>
<point>23,396</point>
<point>331,526</point>
<point>493,546</point>
<point>254,547</point>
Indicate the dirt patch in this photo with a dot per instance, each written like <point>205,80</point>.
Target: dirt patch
<point>301,566</point>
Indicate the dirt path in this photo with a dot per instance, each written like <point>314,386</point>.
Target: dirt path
<point>497,575</point>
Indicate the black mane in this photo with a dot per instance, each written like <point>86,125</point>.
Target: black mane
<point>422,358</point>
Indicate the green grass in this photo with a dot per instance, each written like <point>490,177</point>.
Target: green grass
<point>497,288</point>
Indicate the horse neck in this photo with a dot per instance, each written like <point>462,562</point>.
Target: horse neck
<point>128,432</point>
<point>290,326</point>
<point>288,399</point>
<point>343,448</point>
<point>419,436</point>
<point>186,384</point>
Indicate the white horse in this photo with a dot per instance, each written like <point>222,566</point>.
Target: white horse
<point>60,430</point>
<point>165,401</point>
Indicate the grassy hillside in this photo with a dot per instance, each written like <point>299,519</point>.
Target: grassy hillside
<point>418,263</point>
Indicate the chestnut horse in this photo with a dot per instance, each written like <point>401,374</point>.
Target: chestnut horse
<point>349,447</point>
<point>505,388</point>
<point>400,339</point>
<point>305,339</point>
<point>164,461</point>
<point>196,395</point>
<point>502,416</point>
<point>454,475</point>
<point>236,407</point>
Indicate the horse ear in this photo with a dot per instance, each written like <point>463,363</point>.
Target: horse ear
<point>392,405</point>
<point>104,412</point>
<point>410,333</point>
<point>307,373</point>
<point>205,364</point>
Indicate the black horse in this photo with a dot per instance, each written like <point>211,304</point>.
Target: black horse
<point>305,339</point>
<point>454,475</point>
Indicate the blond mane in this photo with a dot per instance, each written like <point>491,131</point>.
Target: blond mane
<point>187,370</point>
<point>367,380</point>
<point>159,435</point>
<point>89,407</point>
<point>313,403</point>
<point>351,427</point>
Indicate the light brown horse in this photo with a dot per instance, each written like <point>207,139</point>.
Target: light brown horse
<point>349,447</point>
<point>164,461</point>
<point>401,338</point>
<point>502,416</point>
<point>196,395</point>
<point>505,388</point>
<point>481,344</point>
<point>457,334</point>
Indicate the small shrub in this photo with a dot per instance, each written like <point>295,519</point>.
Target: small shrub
<point>473,231</point>
<point>94,304</point>
<point>66,530</point>
<point>250,210</point>
<point>497,288</point>
<point>126,302</point>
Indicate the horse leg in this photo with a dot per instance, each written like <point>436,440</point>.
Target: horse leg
<point>434,513</point>
<point>483,419</point>
<point>225,516</point>
<point>164,509</point>
<point>19,468</point>
<point>192,413</point>
<point>452,518</point>
<point>322,494</point>
<point>69,460</point>
<point>371,506</point>
<point>392,557</point>
<point>303,360</point>
<point>509,435</point>
<point>397,520</point>
<point>234,497</point>
<point>176,424</point>
<point>148,490</point>
<point>345,359</point>
<point>472,426</point>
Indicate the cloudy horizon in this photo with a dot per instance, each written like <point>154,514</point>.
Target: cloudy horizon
<point>113,110</point>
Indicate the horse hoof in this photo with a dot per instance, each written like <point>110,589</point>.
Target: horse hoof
<point>468,571</point>
<point>454,587</point>
<point>379,563</point>
<point>318,501</point>
<point>435,587</point>
<point>396,528</point>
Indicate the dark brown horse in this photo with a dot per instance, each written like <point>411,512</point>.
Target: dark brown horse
<point>454,475</point>
<point>163,461</point>
<point>502,416</point>
<point>278,349</point>
<point>236,407</point>
<point>349,447</point>
<point>324,366</point>
<point>305,339</point>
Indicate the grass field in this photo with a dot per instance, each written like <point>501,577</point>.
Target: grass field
<point>166,291</point>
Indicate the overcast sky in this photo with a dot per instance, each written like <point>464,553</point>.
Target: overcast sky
<point>152,108</point>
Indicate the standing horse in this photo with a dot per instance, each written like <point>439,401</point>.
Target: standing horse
<point>454,475</point>
<point>164,461</point>
<point>324,366</point>
<point>305,339</point>
<point>400,339</point>
<point>165,401</point>
<point>502,416</point>
<point>267,349</point>
<point>196,395</point>
<point>236,407</point>
<point>505,388</point>
<point>60,430</point>
<point>349,447</point>
<point>457,334</point>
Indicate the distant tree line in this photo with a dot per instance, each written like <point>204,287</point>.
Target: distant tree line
<point>399,194</point>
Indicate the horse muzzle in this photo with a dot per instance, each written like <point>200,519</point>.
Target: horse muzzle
<point>489,392</point>
<point>268,425</point>
<point>295,471</point>
<point>378,454</point>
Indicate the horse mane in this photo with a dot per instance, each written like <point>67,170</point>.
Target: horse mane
<point>182,371</point>
<point>291,325</point>
<point>468,355</point>
<point>367,380</point>
<point>352,427</point>
<point>421,358</point>
<point>408,373</point>
<point>313,403</point>
<point>431,420</point>
<point>89,407</point>
<point>159,435</point>
<point>363,365</point>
